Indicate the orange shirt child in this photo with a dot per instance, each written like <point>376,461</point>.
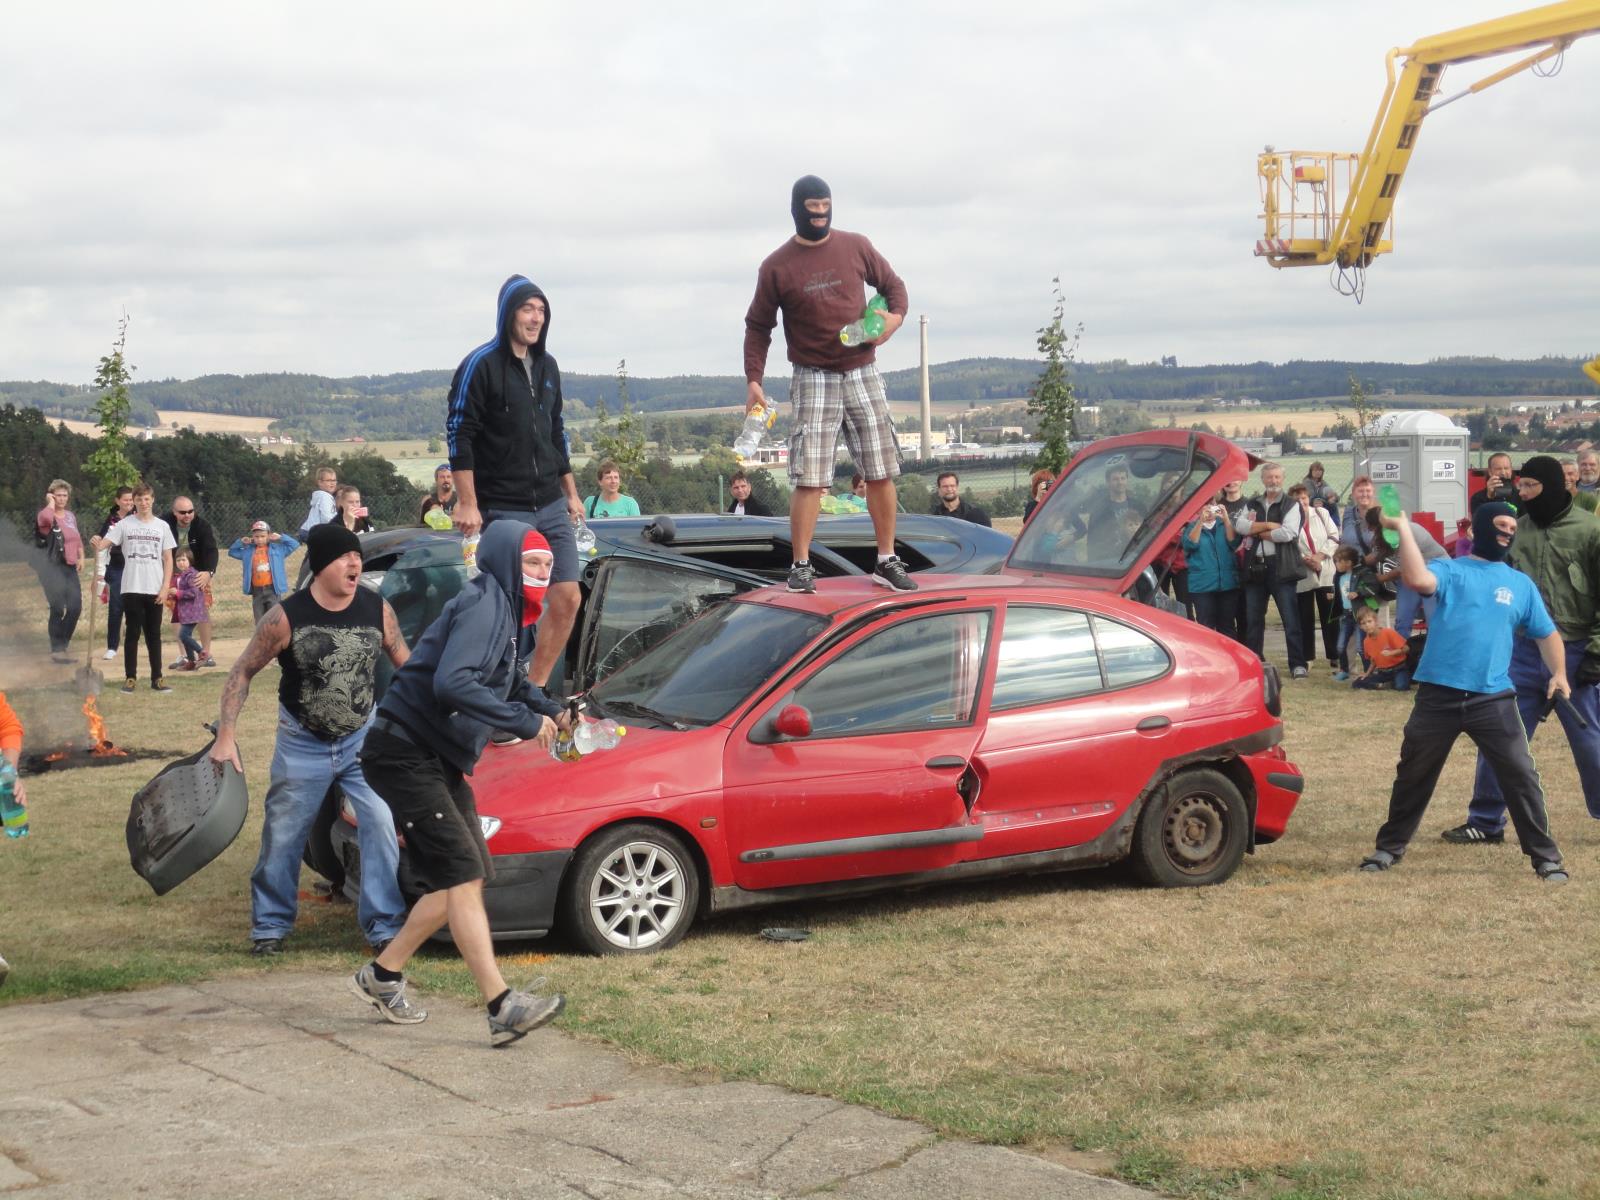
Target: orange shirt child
<point>261,568</point>
<point>1385,650</point>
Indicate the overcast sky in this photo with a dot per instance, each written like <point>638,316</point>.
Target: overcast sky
<point>341,188</point>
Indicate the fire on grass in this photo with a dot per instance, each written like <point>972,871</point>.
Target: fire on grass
<point>99,750</point>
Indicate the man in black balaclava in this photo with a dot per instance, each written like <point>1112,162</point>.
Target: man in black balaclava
<point>1464,686</point>
<point>1558,547</point>
<point>818,279</point>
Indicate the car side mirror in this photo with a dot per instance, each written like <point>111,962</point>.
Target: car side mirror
<point>793,721</point>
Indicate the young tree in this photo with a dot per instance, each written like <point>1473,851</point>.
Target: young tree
<point>1051,399</point>
<point>624,442</point>
<point>108,466</point>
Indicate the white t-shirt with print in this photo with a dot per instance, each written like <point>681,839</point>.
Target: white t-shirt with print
<point>142,543</point>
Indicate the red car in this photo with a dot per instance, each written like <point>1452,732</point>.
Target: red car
<point>783,746</point>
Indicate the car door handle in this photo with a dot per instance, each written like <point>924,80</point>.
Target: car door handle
<point>1154,724</point>
<point>946,762</point>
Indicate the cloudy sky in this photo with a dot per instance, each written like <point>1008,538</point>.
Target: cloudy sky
<point>341,188</point>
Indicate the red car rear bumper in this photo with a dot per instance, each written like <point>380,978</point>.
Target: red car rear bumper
<point>1278,786</point>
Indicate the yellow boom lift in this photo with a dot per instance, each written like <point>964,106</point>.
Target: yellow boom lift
<point>1323,207</point>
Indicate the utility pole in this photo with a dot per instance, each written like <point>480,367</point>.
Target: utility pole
<point>927,400</point>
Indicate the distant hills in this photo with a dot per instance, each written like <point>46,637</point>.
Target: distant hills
<point>412,404</point>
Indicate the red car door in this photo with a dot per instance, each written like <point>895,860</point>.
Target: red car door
<point>877,786</point>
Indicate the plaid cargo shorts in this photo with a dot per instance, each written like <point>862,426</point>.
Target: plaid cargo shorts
<point>826,402</point>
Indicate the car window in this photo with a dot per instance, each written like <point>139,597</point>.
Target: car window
<point>920,673</point>
<point>1045,654</point>
<point>640,604</point>
<point>1129,656</point>
<point>1108,509</point>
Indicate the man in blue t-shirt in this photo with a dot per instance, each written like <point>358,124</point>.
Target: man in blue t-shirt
<point>1465,686</point>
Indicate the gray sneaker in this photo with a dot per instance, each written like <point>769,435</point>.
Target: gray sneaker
<point>523,1012</point>
<point>388,998</point>
<point>891,573</point>
<point>802,577</point>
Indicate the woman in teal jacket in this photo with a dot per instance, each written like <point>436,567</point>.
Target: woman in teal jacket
<point>1208,543</point>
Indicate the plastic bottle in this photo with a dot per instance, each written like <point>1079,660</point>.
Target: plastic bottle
<point>436,518</point>
<point>587,737</point>
<point>13,814</point>
<point>756,424</point>
<point>1389,498</point>
<point>869,325</point>
<point>469,554</point>
<point>584,536</point>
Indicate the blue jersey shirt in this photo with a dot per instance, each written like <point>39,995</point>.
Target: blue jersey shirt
<point>1480,606</point>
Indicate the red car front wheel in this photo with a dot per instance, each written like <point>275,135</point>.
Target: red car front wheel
<point>632,889</point>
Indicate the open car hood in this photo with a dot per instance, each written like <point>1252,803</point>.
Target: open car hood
<point>1098,532</point>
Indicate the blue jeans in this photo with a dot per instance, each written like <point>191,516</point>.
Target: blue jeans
<point>192,649</point>
<point>1397,677</point>
<point>1488,808</point>
<point>1283,595</point>
<point>113,607</point>
<point>1348,632</point>
<point>303,768</point>
<point>555,522</point>
<point>1407,600</point>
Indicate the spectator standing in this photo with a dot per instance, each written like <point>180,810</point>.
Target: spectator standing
<point>1039,484</point>
<point>188,607</point>
<point>146,543</point>
<point>1557,546</point>
<point>1314,598</point>
<point>1273,522</point>
<point>1499,485</point>
<point>1589,471</point>
<point>1407,600</point>
<point>743,503</point>
<point>348,510</point>
<point>1208,543</point>
<point>1349,603</point>
<point>1465,686</point>
<point>1320,493</point>
<point>508,450</point>
<point>1235,504</point>
<point>817,280</point>
<point>467,677</point>
<point>263,554</point>
<point>108,573</point>
<point>60,549</point>
<point>192,532</point>
<point>1385,653</point>
<point>443,494</point>
<point>609,501</point>
<point>321,509</point>
<point>1586,501</point>
<point>326,638</point>
<point>950,503</point>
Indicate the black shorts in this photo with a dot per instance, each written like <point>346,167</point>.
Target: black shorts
<point>433,808</point>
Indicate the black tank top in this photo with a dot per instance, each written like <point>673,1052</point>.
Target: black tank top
<point>330,662</point>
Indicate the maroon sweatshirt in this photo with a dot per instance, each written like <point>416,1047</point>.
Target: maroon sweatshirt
<point>821,288</point>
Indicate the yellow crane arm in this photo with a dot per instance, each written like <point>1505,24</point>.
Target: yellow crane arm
<point>1302,190</point>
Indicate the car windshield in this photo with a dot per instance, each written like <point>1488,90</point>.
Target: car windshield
<point>700,673</point>
<point>1108,509</point>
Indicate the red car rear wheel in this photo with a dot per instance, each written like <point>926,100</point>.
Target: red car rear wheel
<point>1192,832</point>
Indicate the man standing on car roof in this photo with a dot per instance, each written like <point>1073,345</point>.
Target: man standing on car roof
<point>508,450</point>
<point>466,678</point>
<point>818,280</point>
<point>326,637</point>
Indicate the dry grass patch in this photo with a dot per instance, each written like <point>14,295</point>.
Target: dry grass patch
<point>1301,1031</point>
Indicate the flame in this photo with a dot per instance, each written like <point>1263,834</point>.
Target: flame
<point>97,732</point>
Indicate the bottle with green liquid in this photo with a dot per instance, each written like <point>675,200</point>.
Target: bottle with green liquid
<point>1389,498</point>
<point>869,325</point>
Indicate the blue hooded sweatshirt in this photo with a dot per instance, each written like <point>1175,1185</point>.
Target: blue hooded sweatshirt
<point>504,420</point>
<point>468,674</point>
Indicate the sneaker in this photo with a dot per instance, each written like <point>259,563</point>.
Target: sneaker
<point>1378,860</point>
<point>802,578</point>
<point>209,662</point>
<point>1471,835</point>
<point>111,655</point>
<point>182,665</point>
<point>128,685</point>
<point>1550,872</point>
<point>523,1012</point>
<point>1341,676</point>
<point>157,685</point>
<point>1299,673</point>
<point>60,656</point>
<point>891,573</point>
<point>266,947</point>
<point>388,998</point>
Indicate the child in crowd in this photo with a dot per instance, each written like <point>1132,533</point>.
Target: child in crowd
<point>321,509</point>
<point>188,610</point>
<point>1348,601</point>
<point>262,552</point>
<point>1385,651</point>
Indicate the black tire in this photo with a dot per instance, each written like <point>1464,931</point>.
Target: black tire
<point>651,912</point>
<point>1192,831</point>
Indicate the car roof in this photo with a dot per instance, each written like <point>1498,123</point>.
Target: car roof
<point>834,596</point>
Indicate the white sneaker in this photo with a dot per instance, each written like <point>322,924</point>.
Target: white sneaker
<point>110,655</point>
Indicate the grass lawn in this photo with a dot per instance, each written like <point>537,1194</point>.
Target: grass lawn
<point>1301,1031</point>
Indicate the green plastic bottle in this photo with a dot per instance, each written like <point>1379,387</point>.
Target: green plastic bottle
<point>870,324</point>
<point>1389,498</point>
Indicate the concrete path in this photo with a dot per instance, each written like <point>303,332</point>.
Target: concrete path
<point>285,1085</point>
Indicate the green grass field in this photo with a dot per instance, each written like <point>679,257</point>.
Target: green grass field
<point>1302,1031</point>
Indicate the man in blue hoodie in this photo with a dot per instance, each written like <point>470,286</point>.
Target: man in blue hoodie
<point>508,450</point>
<point>466,677</point>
